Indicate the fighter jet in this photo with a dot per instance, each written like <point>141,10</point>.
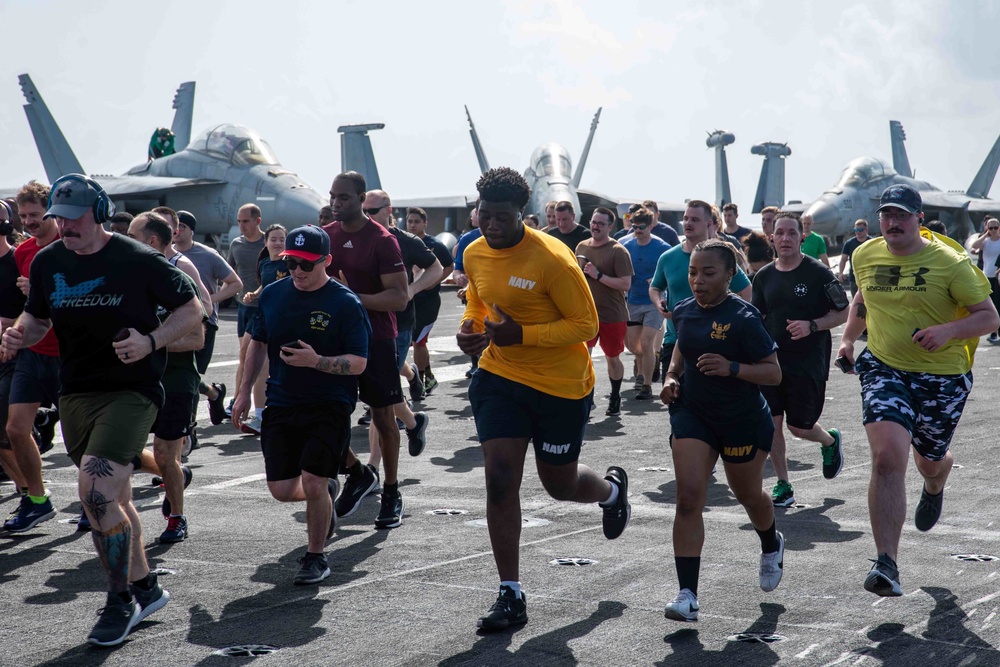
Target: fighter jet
<point>856,193</point>
<point>550,174</point>
<point>211,176</point>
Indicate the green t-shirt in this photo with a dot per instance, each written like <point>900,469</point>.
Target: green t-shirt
<point>814,245</point>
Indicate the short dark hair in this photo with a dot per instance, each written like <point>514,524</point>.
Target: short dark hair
<point>565,206</point>
<point>416,210</point>
<point>769,209</point>
<point>154,224</point>
<point>643,215</point>
<point>503,184</point>
<point>604,210</point>
<point>789,214</point>
<point>360,186</point>
<point>651,205</point>
<point>936,226</point>
<point>702,204</point>
<point>860,221</point>
<point>757,247</point>
<point>723,249</point>
<point>33,192</point>
<point>122,217</point>
<point>169,214</point>
<point>635,208</point>
<point>731,207</point>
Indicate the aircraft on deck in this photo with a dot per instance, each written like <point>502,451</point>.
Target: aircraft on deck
<point>857,190</point>
<point>211,176</point>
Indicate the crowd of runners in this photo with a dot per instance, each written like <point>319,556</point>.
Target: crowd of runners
<point>110,322</point>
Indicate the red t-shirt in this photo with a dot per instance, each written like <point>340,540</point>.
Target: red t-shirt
<point>24,254</point>
<point>364,257</point>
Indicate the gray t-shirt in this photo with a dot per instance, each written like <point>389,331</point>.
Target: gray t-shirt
<point>213,270</point>
<point>242,257</point>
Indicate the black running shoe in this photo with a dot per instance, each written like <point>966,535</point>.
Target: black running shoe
<point>355,489</point>
<point>217,407</point>
<point>616,516</point>
<point>508,610</point>
<point>928,510</point>
<point>177,530</point>
<point>833,455</point>
<point>188,476</point>
<point>116,620</point>
<point>45,422</point>
<point>416,385</point>
<point>366,418</point>
<point>883,579</point>
<point>430,383</point>
<point>614,406</point>
<point>314,570</point>
<point>149,601</point>
<point>83,523</point>
<point>416,437</point>
<point>645,394</point>
<point>390,515</point>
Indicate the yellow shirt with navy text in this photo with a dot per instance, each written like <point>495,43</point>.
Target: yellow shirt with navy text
<point>902,294</point>
<point>537,283</point>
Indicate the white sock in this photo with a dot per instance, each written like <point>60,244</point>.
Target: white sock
<point>259,412</point>
<point>613,498</point>
<point>514,586</point>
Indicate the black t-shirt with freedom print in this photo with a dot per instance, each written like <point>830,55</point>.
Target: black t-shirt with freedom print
<point>90,297</point>
<point>733,329</point>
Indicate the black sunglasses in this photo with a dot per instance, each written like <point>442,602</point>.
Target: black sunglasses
<point>306,266</point>
<point>373,211</point>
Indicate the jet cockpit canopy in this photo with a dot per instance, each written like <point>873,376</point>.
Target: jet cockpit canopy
<point>861,171</point>
<point>236,144</point>
<point>551,159</point>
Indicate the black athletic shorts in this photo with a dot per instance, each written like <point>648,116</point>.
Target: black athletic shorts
<point>203,357</point>
<point>799,398</point>
<point>736,442</point>
<point>313,438</point>
<point>36,379</point>
<point>6,375</point>
<point>175,418</point>
<point>379,385</point>
<point>507,409</point>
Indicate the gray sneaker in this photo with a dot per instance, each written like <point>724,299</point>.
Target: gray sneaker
<point>314,570</point>
<point>154,599</point>
<point>116,620</point>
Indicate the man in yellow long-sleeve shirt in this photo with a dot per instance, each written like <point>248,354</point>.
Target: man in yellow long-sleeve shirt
<point>529,314</point>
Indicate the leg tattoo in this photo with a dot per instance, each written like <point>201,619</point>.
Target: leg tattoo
<point>97,504</point>
<point>113,547</point>
<point>98,467</point>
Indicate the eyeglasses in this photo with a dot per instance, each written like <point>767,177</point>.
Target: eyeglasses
<point>644,226</point>
<point>373,211</point>
<point>898,216</point>
<point>306,266</point>
<point>599,223</point>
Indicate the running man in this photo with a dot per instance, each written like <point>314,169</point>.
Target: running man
<point>530,314</point>
<point>428,301</point>
<point>925,306</point>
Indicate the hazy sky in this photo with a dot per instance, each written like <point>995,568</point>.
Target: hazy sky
<point>824,77</point>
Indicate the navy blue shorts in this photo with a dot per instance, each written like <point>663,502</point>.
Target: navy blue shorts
<point>928,406</point>
<point>507,409</point>
<point>736,442</point>
<point>36,379</point>
<point>245,316</point>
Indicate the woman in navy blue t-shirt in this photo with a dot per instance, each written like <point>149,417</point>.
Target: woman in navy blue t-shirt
<point>723,353</point>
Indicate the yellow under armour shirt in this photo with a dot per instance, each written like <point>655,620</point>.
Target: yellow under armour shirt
<point>537,283</point>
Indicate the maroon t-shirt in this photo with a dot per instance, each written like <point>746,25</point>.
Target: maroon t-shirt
<point>364,257</point>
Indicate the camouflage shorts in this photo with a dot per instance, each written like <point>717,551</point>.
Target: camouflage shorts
<point>928,406</point>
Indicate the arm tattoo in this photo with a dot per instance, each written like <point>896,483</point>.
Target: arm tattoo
<point>334,366</point>
<point>862,311</point>
<point>98,467</point>
<point>97,504</point>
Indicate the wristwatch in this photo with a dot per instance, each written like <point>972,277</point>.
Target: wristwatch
<point>813,327</point>
<point>599,275</point>
<point>734,368</point>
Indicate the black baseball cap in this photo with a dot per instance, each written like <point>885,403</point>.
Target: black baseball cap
<point>189,220</point>
<point>900,196</point>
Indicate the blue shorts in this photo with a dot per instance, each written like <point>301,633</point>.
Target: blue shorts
<point>245,316</point>
<point>928,406</point>
<point>402,348</point>
<point>736,442</point>
<point>507,409</point>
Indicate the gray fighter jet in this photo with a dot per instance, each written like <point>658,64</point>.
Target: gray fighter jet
<point>211,176</point>
<point>856,194</point>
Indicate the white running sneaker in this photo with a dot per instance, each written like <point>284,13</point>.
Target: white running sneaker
<point>772,567</point>
<point>683,608</point>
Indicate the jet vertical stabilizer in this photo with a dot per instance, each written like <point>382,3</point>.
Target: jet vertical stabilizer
<point>184,104</point>
<point>983,181</point>
<point>900,162</point>
<point>57,157</point>
<point>484,165</point>
<point>719,140</point>
<point>771,187</point>
<point>586,150</point>
<point>356,152</point>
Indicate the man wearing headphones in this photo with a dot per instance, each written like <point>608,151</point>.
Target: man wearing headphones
<point>100,292</point>
<point>36,370</point>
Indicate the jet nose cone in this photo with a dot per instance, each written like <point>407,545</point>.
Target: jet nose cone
<point>298,207</point>
<point>826,218</point>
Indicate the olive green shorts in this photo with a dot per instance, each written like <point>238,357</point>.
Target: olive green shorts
<point>111,425</point>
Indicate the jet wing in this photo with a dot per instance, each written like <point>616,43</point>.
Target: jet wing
<point>991,206</point>
<point>956,201</point>
<point>427,203</point>
<point>146,187</point>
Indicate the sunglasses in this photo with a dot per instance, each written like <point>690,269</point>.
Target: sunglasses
<point>643,226</point>
<point>992,227</point>
<point>373,211</point>
<point>292,264</point>
<point>860,229</point>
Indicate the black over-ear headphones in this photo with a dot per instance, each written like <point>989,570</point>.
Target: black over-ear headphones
<point>103,207</point>
<point>7,226</point>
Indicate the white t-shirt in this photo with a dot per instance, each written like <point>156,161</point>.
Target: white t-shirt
<point>990,252</point>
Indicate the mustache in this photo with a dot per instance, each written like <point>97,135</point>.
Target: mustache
<point>72,235</point>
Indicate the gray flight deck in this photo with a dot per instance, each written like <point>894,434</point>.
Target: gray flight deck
<point>411,596</point>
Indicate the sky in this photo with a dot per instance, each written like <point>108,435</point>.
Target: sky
<point>824,77</point>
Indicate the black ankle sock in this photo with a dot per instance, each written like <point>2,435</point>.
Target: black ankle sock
<point>616,388</point>
<point>687,572</point>
<point>124,596</point>
<point>390,488</point>
<point>768,539</point>
<point>356,470</point>
<point>144,584</point>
